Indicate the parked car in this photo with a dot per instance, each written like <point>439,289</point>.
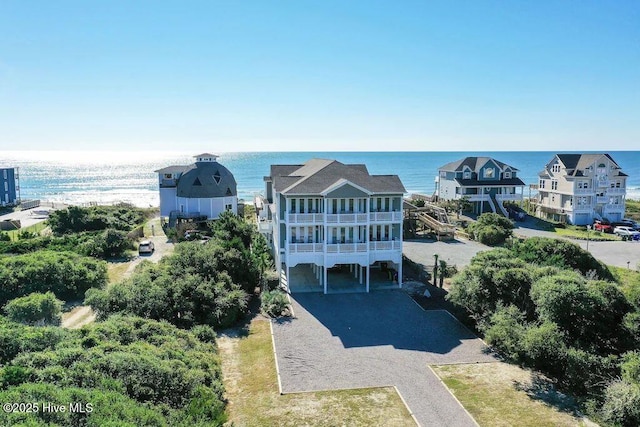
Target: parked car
<point>146,247</point>
<point>602,225</point>
<point>627,233</point>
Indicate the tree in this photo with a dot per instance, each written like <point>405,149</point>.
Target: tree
<point>35,309</point>
<point>491,229</point>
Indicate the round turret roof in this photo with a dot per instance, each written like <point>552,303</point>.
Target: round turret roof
<point>206,180</point>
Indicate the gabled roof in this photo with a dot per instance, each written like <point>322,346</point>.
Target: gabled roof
<point>318,175</point>
<point>174,169</point>
<point>474,163</point>
<point>576,163</point>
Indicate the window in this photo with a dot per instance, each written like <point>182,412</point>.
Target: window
<point>467,175</point>
<point>197,182</point>
<point>166,176</point>
<point>5,174</point>
<point>556,168</point>
<point>554,184</point>
<point>216,177</point>
<point>507,175</point>
<point>542,183</point>
<point>553,198</point>
<point>618,184</point>
<point>228,207</point>
<point>489,172</point>
<point>443,174</point>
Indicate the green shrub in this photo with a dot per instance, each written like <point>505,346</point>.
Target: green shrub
<point>66,274</point>
<point>491,229</point>
<point>621,404</point>
<point>505,332</point>
<point>35,308</point>
<point>275,303</point>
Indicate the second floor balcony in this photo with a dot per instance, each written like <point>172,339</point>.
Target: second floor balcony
<point>344,217</point>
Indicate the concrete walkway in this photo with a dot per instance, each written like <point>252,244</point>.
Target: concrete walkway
<point>378,339</point>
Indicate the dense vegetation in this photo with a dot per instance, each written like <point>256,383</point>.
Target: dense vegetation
<point>66,274</point>
<point>77,219</point>
<point>491,229</point>
<point>133,371</point>
<point>547,304</point>
<point>198,284</point>
<point>35,308</point>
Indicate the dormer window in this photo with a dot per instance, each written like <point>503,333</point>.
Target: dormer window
<point>168,176</point>
<point>507,175</point>
<point>216,177</point>
<point>489,173</point>
<point>467,175</point>
<point>555,168</point>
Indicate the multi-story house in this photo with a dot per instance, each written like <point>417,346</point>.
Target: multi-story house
<point>485,182</point>
<point>333,226</point>
<point>579,188</point>
<point>201,190</point>
<point>9,188</point>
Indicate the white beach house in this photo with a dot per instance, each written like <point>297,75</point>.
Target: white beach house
<point>204,189</point>
<point>579,188</point>
<point>333,226</point>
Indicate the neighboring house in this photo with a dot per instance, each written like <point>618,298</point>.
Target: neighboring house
<point>334,227</point>
<point>9,189</point>
<point>487,183</point>
<point>578,188</point>
<point>203,189</point>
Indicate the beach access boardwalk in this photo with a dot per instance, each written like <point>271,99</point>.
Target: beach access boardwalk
<point>378,339</point>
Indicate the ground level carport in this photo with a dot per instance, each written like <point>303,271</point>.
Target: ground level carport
<point>375,339</point>
<point>341,278</point>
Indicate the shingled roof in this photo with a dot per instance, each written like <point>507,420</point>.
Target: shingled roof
<point>317,175</point>
<point>576,163</point>
<point>474,163</point>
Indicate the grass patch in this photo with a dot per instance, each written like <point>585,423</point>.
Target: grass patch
<point>632,209</point>
<point>577,233</point>
<point>35,228</point>
<point>252,391</point>
<point>625,277</point>
<point>116,271</point>
<point>499,394</point>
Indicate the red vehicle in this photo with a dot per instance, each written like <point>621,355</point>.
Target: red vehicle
<point>602,225</point>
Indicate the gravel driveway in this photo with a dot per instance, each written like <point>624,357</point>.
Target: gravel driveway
<point>378,339</point>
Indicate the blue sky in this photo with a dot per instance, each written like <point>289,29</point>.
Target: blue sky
<point>320,75</point>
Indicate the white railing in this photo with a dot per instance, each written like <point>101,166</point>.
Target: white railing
<point>583,191</point>
<point>615,207</point>
<point>304,218</point>
<point>297,248</point>
<point>616,190</point>
<point>346,248</point>
<point>603,183</point>
<point>602,199</point>
<point>347,218</point>
<point>583,208</point>
<point>385,216</point>
<point>265,226</point>
<point>385,245</point>
<point>508,197</point>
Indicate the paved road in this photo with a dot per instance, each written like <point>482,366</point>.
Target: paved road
<point>616,252</point>
<point>377,339</point>
<point>459,252</point>
<point>456,252</point>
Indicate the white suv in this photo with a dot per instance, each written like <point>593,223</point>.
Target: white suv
<point>627,233</point>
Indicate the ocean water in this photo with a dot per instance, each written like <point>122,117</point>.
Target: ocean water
<point>105,177</point>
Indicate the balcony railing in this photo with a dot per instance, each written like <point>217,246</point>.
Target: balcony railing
<point>603,183</point>
<point>388,245</point>
<point>385,216</point>
<point>583,191</point>
<point>616,190</point>
<point>602,199</point>
<point>614,207</point>
<point>304,218</point>
<point>583,208</point>
<point>508,197</point>
<point>265,226</point>
<point>298,248</point>
<point>346,248</point>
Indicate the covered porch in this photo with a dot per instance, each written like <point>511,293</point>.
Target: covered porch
<point>341,278</point>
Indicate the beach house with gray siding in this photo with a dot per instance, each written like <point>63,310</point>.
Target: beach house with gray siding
<point>203,189</point>
<point>328,220</point>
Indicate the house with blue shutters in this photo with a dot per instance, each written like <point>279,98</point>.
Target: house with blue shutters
<point>485,182</point>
